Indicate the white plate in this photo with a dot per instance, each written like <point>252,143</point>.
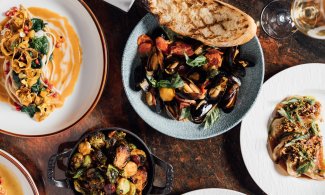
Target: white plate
<point>213,191</point>
<point>20,172</point>
<point>307,79</point>
<point>91,79</point>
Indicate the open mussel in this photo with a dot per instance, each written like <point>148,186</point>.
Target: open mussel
<point>230,62</point>
<point>140,79</point>
<point>199,111</point>
<point>229,99</point>
<point>173,110</point>
<point>190,90</point>
<point>217,89</point>
<point>153,100</point>
<point>154,62</point>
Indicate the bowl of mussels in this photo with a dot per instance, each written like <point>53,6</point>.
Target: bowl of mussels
<point>110,161</point>
<point>186,89</point>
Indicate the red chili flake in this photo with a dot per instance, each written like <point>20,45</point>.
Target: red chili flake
<point>6,72</point>
<point>26,28</point>
<point>37,61</point>
<point>7,26</point>
<point>55,95</point>
<point>14,8</point>
<point>46,81</point>
<point>0,180</point>
<point>50,86</point>
<point>17,106</point>
<point>7,13</point>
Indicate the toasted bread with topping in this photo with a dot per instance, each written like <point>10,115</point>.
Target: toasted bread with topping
<point>212,22</point>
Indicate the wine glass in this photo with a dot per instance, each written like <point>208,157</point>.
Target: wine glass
<point>282,18</point>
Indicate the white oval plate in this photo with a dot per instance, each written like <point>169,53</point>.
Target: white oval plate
<point>307,79</point>
<point>213,191</point>
<point>20,172</point>
<point>91,79</point>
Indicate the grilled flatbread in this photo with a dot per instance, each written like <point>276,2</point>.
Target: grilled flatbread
<point>212,22</point>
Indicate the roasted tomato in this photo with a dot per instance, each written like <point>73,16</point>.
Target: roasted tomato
<point>162,45</point>
<point>145,45</point>
<point>214,57</point>
<point>179,48</point>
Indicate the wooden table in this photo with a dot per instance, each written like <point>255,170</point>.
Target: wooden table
<point>215,162</point>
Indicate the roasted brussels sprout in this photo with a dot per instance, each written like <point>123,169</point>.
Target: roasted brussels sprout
<point>97,140</point>
<point>84,148</point>
<point>77,160</point>
<point>112,174</point>
<point>87,161</point>
<point>108,165</point>
<point>140,179</point>
<point>123,186</point>
<point>122,156</point>
<point>130,169</point>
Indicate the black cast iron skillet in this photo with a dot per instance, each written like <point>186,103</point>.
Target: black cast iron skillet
<point>130,137</point>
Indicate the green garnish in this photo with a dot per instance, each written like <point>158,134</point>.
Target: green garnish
<point>211,117</point>
<point>16,79</point>
<point>41,44</point>
<point>38,24</point>
<point>36,88</point>
<point>197,62</point>
<point>304,167</point>
<point>30,110</point>
<point>175,82</point>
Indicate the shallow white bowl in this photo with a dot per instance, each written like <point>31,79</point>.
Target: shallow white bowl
<point>20,173</point>
<point>91,79</point>
<point>304,80</point>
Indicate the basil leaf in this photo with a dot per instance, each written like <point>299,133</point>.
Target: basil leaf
<point>41,44</point>
<point>36,88</point>
<point>185,113</point>
<point>16,79</point>
<point>175,82</point>
<point>38,24</point>
<point>285,114</point>
<point>30,110</point>
<point>304,167</point>
<point>197,62</point>
<point>212,117</point>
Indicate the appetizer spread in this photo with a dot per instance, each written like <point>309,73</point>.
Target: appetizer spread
<point>9,185</point>
<point>108,164</point>
<point>188,79</point>
<point>212,22</point>
<point>41,57</point>
<point>295,138</point>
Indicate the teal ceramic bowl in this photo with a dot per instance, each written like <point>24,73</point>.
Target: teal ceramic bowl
<point>248,92</point>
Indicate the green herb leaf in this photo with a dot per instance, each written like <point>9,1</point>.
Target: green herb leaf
<point>212,116</point>
<point>38,24</point>
<point>112,174</point>
<point>16,79</point>
<point>314,128</point>
<point>304,167</point>
<point>41,44</point>
<point>285,114</point>
<point>36,88</point>
<point>185,113</point>
<point>293,141</point>
<point>293,100</point>
<point>175,82</point>
<point>30,110</point>
<point>197,62</point>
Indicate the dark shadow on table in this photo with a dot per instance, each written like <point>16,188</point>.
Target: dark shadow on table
<point>232,146</point>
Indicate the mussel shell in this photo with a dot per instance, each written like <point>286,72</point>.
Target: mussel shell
<point>159,32</point>
<point>199,112</point>
<point>229,99</point>
<point>218,81</point>
<point>139,76</point>
<point>172,110</point>
<point>197,72</point>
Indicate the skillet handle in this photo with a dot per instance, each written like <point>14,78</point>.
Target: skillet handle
<point>169,177</point>
<point>62,183</point>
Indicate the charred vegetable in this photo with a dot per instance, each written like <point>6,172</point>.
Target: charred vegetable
<point>108,165</point>
<point>188,78</point>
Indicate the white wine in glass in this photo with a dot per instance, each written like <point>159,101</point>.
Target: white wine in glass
<point>282,18</point>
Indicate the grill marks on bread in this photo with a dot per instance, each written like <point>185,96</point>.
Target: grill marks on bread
<point>210,21</point>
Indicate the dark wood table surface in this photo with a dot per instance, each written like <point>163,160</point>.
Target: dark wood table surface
<point>210,163</point>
